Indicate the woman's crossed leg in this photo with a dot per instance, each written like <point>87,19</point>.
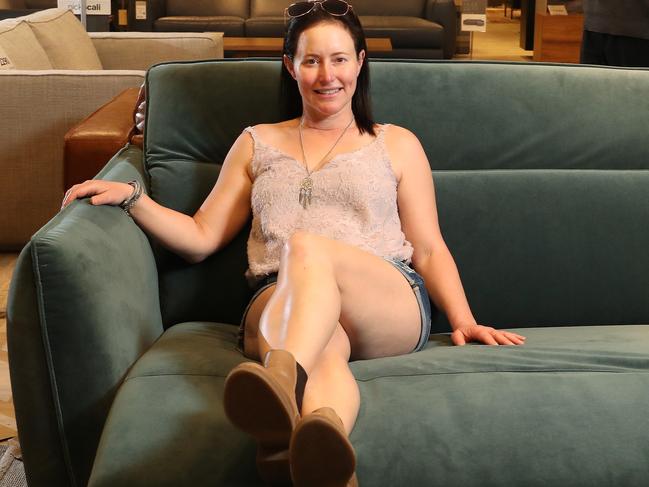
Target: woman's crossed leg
<point>333,302</point>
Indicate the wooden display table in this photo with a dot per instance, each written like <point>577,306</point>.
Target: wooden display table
<point>272,46</point>
<point>557,38</point>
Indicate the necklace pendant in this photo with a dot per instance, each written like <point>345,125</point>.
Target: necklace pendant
<point>306,189</point>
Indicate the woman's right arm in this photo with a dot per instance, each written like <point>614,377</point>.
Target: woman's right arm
<point>217,221</point>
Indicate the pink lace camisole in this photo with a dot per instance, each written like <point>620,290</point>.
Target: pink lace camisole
<point>354,200</point>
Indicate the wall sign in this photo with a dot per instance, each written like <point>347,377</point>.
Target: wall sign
<point>93,7</point>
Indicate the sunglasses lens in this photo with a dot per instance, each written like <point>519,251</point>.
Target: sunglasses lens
<point>335,7</point>
<point>299,8</point>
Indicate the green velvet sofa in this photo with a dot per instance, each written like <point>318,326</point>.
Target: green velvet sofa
<point>118,349</point>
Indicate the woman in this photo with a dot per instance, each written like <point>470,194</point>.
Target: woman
<point>340,207</point>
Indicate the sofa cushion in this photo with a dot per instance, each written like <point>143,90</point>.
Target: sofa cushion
<point>185,369</point>
<point>19,48</point>
<point>268,8</point>
<point>237,8</point>
<point>502,407</point>
<point>265,27</point>
<point>404,32</point>
<point>408,8</point>
<point>230,26</point>
<point>66,43</point>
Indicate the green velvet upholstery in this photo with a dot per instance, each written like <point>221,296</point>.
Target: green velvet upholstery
<point>444,416</point>
<point>541,174</point>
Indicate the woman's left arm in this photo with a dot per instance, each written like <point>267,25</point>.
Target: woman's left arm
<point>431,257</point>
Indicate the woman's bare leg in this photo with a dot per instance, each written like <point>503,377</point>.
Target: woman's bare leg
<point>333,301</point>
<point>331,382</point>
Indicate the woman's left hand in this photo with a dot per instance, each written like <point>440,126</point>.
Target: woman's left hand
<point>485,334</point>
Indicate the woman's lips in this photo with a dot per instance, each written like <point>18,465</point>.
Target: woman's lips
<point>328,91</point>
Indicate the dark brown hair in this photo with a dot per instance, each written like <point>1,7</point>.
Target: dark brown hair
<point>361,105</point>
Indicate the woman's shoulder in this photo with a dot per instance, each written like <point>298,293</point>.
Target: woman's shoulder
<point>398,137</point>
<point>271,130</point>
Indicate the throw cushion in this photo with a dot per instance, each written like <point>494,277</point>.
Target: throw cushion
<point>19,48</point>
<point>66,43</point>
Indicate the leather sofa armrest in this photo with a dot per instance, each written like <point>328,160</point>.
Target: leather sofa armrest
<point>94,141</point>
<point>444,12</point>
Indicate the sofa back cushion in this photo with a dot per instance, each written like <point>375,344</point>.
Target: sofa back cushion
<point>19,48</point>
<point>234,8</point>
<point>408,8</point>
<point>405,8</point>
<point>64,39</point>
<point>545,214</point>
<point>268,8</point>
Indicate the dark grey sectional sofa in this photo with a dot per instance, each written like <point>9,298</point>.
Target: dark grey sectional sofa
<point>417,28</point>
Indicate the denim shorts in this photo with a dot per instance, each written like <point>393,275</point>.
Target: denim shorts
<point>416,283</point>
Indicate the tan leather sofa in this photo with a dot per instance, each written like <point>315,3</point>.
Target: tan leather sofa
<point>52,75</point>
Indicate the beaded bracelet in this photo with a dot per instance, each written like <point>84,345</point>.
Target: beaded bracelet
<point>129,202</point>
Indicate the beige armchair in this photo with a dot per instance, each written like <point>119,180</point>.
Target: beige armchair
<point>45,91</point>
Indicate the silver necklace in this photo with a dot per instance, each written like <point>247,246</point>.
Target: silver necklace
<point>306,188</point>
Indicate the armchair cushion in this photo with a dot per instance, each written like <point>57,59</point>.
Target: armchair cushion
<point>19,48</point>
<point>64,39</point>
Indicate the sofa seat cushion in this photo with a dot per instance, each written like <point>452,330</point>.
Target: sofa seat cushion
<point>501,407</point>
<point>168,416</point>
<point>19,48</point>
<point>230,26</point>
<point>265,26</point>
<point>64,39</point>
<point>405,32</point>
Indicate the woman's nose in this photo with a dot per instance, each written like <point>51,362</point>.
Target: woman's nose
<point>326,72</point>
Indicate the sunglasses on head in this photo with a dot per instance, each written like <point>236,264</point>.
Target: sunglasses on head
<point>332,7</point>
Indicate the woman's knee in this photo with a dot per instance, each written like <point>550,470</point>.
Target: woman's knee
<point>303,246</point>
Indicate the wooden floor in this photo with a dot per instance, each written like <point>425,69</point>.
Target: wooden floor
<point>500,42</point>
<point>7,417</point>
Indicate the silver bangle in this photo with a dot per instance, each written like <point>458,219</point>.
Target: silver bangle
<point>129,202</point>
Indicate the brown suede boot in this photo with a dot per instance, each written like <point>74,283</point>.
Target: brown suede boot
<point>261,401</point>
<point>321,454</point>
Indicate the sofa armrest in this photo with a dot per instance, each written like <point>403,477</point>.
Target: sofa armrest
<point>444,13</point>
<point>39,108</point>
<point>82,307</point>
<point>141,50</point>
<point>94,141</point>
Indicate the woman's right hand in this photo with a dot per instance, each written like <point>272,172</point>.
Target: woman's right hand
<point>100,192</point>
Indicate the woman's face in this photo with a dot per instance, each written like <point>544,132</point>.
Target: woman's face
<point>326,67</point>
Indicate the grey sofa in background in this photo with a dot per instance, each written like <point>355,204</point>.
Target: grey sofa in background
<point>118,350</point>
<point>417,28</point>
